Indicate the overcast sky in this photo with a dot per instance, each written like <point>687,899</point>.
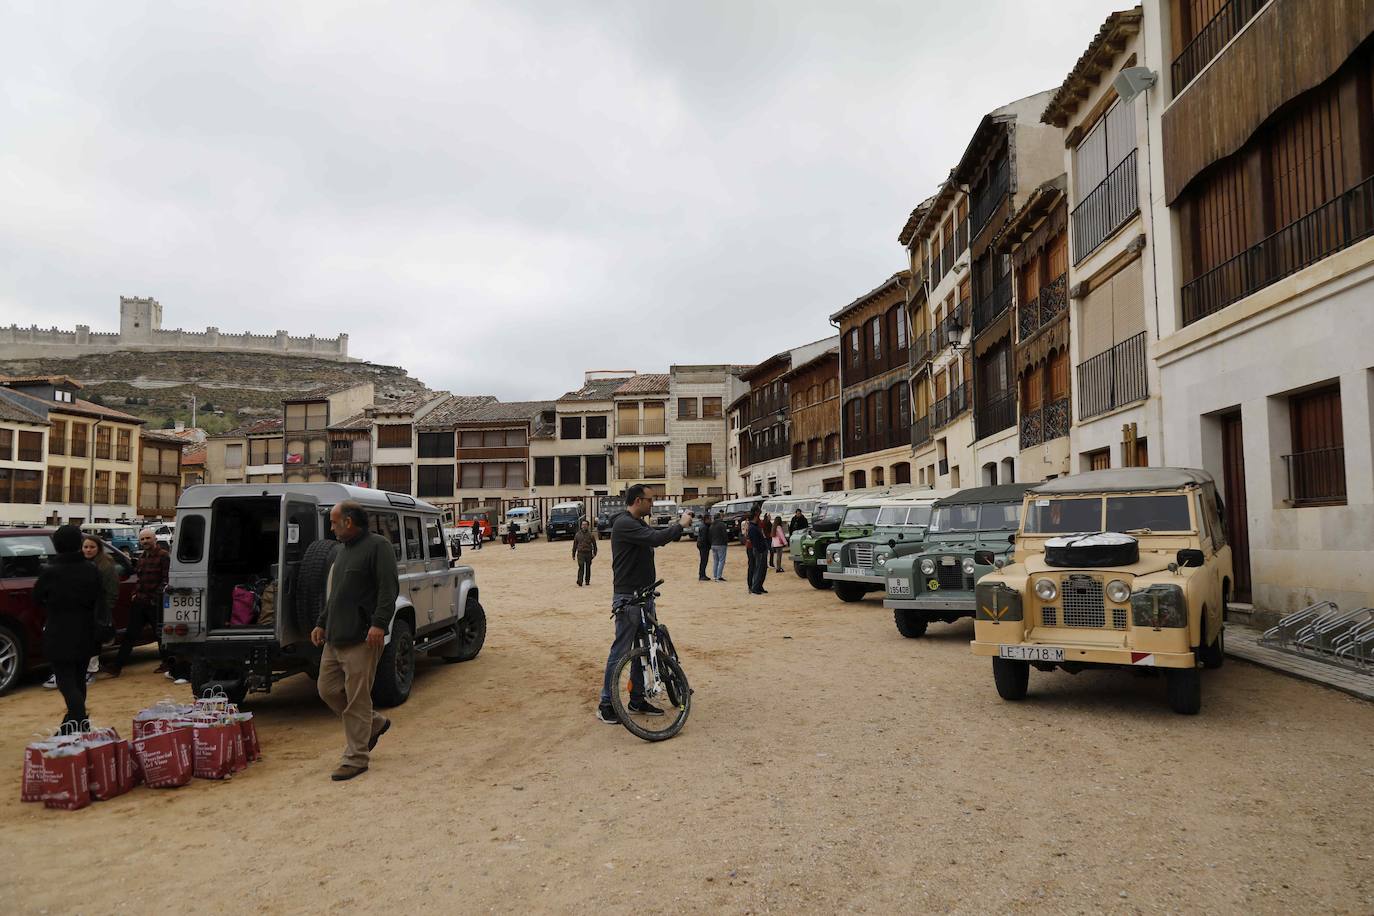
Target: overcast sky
<point>496,195</point>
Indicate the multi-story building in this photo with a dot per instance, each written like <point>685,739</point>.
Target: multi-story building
<point>1036,239</point>
<point>814,430</point>
<point>1117,416</point>
<point>641,432</point>
<point>193,460</point>
<point>350,450</point>
<point>1265,181</point>
<point>159,474</point>
<point>575,460</point>
<point>1009,157</point>
<point>307,421</point>
<point>90,467</point>
<point>760,421</point>
<point>23,453</point>
<point>491,451</point>
<point>875,393</point>
<point>396,445</point>
<point>252,453</point>
<point>697,396</point>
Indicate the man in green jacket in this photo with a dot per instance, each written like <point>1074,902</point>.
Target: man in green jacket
<point>584,551</point>
<point>361,601</point>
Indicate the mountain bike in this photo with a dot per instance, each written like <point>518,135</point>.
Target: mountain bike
<point>653,662</point>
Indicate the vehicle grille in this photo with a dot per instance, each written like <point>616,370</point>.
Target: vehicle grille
<point>861,555</point>
<point>1082,598</point>
<point>952,577</point>
<point>1119,618</point>
<point>1049,616</point>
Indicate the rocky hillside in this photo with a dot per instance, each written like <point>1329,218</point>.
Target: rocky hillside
<point>236,386</point>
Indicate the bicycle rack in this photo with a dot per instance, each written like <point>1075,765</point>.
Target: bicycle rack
<point>1326,633</point>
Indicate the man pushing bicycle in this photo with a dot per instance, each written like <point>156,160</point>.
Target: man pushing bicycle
<point>632,568</point>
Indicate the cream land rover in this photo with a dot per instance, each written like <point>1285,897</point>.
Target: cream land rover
<point>1116,568</point>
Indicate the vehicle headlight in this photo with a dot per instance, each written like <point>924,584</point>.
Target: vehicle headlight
<point>1046,590</point>
<point>1118,592</point>
<point>997,601</point>
<point>927,567</point>
<point>881,561</point>
<point>810,551</point>
<point>967,566</point>
<point>1159,606</point>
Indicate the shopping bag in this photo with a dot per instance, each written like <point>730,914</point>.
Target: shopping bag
<point>243,607</point>
<point>213,744</point>
<point>164,754</point>
<point>164,710</point>
<point>129,773</point>
<point>251,749</point>
<point>36,774</point>
<point>68,787</point>
<point>102,768</point>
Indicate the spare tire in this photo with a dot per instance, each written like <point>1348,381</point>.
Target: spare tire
<point>1088,551</point>
<point>312,581</point>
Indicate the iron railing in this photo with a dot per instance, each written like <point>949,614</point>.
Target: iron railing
<point>1316,477</point>
<point>1208,41</point>
<point>641,472</point>
<point>1113,378</point>
<point>947,255</point>
<point>701,469</point>
<point>992,304</point>
<point>997,414</point>
<point>1040,311</point>
<point>1335,225</point>
<point>1046,423</point>
<point>920,349</point>
<point>1106,208</point>
<point>987,197</point>
<point>920,430</point>
<point>877,441</point>
<point>949,406</point>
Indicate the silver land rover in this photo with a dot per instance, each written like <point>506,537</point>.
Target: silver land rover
<point>249,573</point>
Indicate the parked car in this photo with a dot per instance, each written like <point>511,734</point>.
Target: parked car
<point>701,510</point>
<point>277,536</point>
<point>664,513</point>
<point>564,519</point>
<point>481,520</point>
<point>527,519</point>
<point>859,565</point>
<point>122,537</point>
<point>164,533</point>
<point>605,517</point>
<point>969,533</point>
<point>734,511</point>
<point>23,554</point>
<point>1121,568</point>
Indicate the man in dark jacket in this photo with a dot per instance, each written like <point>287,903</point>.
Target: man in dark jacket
<point>72,598</point>
<point>701,529</point>
<point>758,555</point>
<point>719,536</point>
<point>584,551</point>
<point>154,563</point>
<point>632,567</point>
<point>352,627</point>
<point>798,522</point>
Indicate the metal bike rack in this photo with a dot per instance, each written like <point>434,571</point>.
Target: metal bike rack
<point>1281,636</point>
<point>1325,632</point>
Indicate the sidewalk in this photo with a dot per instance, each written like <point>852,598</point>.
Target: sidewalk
<point>1243,642</point>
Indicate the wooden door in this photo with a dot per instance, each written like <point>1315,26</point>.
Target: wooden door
<point>1237,527</point>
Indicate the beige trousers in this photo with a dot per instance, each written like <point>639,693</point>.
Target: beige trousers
<point>345,684</point>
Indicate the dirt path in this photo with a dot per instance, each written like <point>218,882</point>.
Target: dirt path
<point>829,764</point>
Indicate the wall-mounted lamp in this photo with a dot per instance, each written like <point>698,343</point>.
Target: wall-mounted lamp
<point>1132,81</point>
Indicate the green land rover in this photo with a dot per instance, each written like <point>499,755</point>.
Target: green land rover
<point>859,566</point>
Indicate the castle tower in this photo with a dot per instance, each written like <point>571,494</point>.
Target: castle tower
<point>138,319</point>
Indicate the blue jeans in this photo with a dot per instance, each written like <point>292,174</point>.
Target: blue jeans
<point>718,561</point>
<point>626,629</point>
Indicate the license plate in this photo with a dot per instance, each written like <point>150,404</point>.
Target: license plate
<point>897,587</point>
<point>1032,653</point>
<point>183,606</point>
<point>855,571</point>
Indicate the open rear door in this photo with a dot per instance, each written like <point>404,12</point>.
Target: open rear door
<point>300,527</point>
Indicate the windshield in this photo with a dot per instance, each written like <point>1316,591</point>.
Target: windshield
<point>892,516</point>
<point>24,556</point>
<point>858,517</point>
<point>564,515</point>
<point>833,513</point>
<point>665,509</point>
<point>1148,513</point>
<point>919,515</point>
<point>989,517</point>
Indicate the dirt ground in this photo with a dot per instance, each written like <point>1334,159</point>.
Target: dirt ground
<point>828,764</point>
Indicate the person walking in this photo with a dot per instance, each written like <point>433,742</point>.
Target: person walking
<point>513,534</point>
<point>632,567</point>
<point>701,528</point>
<point>779,543</point>
<point>352,627</point>
<point>584,551</point>
<point>758,540</point>
<point>72,598</point>
<point>477,532</point>
<point>146,607</point>
<point>798,522</point>
<point>720,539</point>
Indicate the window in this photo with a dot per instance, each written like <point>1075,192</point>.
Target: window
<point>233,456</point>
<point>1059,375</point>
<point>711,408</point>
<point>899,327</point>
<point>570,428</point>
<point>76,485</point>
<point>56,485</point>
<point>170,462</point>
<point>393,435</point>
<point>394,477</point>
<point>687,409</point>
<point>190,538</point>
<point>596,427</point>
<point>853,347</point>
<point>103,435</point>
<point>388,525</point>
<point>596,470</point>
<point>1099,460</point>
<point>436,445</point>
<point>570,470</point>
<point>317,416</point>
<point>30,446</point>
<point>903,408</point>
<point>1110,141</point>
<point>121,490</point>
<point>123,445</point>
<point>434,539</point>
<point>434,480</point>
<point>80,440</point>
<point>1316,468</point>
<point>415,543</point>
<point>57,439</point>
<point>295,418</point>
<point>472,475</point>
<point>543,472</point>
<point>515,437</point>
<point>875,332</point>
<point>102,488</point>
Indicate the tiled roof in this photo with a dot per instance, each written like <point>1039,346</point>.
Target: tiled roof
<point>513,410</point>
<point>256,428</point>
<point>40,380</point>
<point>163,436</point>
<point>896,281</point>
<point>645,383</point>
<point>1115,32</point>
<point>410,403</point>
<point>80,407</point>
<point>358,421</point>
<point>193,454</point>
<point>324,391</point>
<point>454,410</point>
<point>16,414</point>
<point>595,390</point>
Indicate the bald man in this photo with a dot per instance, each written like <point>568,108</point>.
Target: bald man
<point>146,607</point>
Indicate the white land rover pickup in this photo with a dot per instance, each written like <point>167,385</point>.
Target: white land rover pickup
<point>249,573</point>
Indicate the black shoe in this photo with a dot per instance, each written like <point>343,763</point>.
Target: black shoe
<point>644,708</point>
<point>606,714</point>
<point>721,579</point>
<point>386,726</point>
<point>702,579</point>
<point>762,591</point>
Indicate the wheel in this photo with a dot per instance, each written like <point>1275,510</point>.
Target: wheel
<point>312,579</point>
<point>816,576</point>
<point>11,659</point>
<point>1184,687</point>
<point>1213,655</point>
<point>800,570</point>
<point>850,591</point>
<point>206,677</point>
<point>1012,678</point>
<point>669,692</point>
<point>472,633</point>
<point>910,624</point>
<point>396,668</point>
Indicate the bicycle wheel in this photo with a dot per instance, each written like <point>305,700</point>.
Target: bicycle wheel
<point>668,692</point>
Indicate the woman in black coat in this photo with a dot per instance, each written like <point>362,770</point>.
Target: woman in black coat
<point>71,595</point>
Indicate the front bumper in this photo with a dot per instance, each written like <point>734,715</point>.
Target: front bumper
<point>1101,655</point>
<point>965,604</point>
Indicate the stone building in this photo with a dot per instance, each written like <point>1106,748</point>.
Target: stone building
<point>641,432</point>
<point>307,418</point>
<point>491,450</point>
<point>760,421</point>
<point>23,464</point>
<point>396,445</point>
<point>698,439</point>
<point>251,453</point>
<point>814,430</point>
<point>574,458</point>
<point>159,478</point>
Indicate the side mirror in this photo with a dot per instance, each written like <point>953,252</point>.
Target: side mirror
<point>1191,556</point>
<point>983,557</point>
<point>1011,538</point>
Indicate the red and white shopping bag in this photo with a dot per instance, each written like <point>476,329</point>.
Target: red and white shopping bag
<point>129,773</point>
<point>251,749</point>
<point>102,764</point>
<point>164,710</point>
<point>214,749</point>
<point>66,784</point>
<point>36,775</point>
<point>164,754</point>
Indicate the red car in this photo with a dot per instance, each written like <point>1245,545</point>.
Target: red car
<point>23,552</point>
<point>469,519</point>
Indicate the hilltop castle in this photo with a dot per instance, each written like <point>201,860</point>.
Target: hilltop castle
<point>140,328</point>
